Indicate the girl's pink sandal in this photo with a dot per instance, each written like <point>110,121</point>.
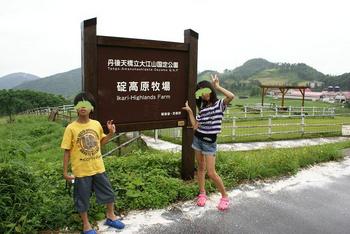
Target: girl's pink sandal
<point>201,199</point>
<point>223,204</point>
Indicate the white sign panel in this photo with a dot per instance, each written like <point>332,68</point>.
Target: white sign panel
<point>345,130</point>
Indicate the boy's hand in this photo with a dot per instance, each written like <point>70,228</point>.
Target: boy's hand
<point>111,126</point>
<point>187,107</point>
<point>69,178</point>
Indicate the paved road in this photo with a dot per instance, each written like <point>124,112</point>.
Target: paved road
<point>310,210</point>
<point>316,200</point>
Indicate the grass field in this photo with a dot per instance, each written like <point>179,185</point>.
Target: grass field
<point>282,130</point>
<point>274,76</point>
<point>34,197</point>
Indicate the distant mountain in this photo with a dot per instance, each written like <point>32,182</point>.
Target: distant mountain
<point>288,74</point>
<point>14,79</point>
<point>67,84</point>
<point>252,67</point>
<point>244,79</point>
<point>247,78</point>
<point>205,75</point>
<point>343,81</point>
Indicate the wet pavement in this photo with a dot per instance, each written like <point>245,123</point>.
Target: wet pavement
<point>311,209</point>
<point>315,200</point>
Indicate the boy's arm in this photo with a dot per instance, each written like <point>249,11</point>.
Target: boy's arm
<point>66,158</point>
<point>106,138</point>
<point>193,120</point>
<point>111,129</point>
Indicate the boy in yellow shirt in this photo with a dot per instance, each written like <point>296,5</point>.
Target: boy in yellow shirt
<point>82,142</point>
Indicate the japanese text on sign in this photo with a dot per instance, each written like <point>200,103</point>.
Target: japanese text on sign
<point>143,86</point>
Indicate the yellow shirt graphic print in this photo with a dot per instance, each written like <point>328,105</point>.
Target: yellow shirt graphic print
<point>83,142</point>
<point>88,142</point>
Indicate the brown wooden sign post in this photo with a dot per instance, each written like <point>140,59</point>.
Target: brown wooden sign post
<point>142,84</point>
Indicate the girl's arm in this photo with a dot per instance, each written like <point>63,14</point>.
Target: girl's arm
<point>229,96</point>
<point>193,120</point>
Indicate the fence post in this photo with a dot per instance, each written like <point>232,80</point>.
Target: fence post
<point>324,109</point>
<point>270,127</point>
<point>313,111</point>
<point>233,128</point>
<point>155,135</point>
<point>276,111</point>
<point>118,144</point>
<point>261,112</point>
<point>290,110</point>
<point>174,133</point>
<point>245,111</point>
<point>302,124</point>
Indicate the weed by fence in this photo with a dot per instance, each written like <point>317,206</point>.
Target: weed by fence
<point>67,114</point>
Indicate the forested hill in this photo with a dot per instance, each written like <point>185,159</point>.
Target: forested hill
<point>247,78</point>
<point>244,79</point>
<point>67,84</point>
<point>342,81</point>
<point>14,79</point>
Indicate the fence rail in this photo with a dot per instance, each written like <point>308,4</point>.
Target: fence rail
<point>268,129</point>
<point>257,110</point>
<point>233,129</point>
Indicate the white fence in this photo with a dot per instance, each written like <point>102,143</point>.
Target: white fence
<point>256,110</point>
<point>269,126</point>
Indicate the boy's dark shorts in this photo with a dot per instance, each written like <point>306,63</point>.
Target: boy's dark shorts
<point>84,186</point>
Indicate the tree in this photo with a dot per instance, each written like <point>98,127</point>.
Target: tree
<point>15,101</point>
<point>8,103</point>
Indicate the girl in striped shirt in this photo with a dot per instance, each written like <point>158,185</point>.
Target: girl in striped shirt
<point>207,125</point>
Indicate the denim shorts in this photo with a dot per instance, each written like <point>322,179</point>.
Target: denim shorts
<point>205,148</point>
<point>84,186</point>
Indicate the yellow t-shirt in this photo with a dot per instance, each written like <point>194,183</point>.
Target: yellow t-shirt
<point>83,141</point>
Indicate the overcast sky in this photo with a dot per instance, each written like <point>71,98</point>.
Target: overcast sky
<point>42,37</point>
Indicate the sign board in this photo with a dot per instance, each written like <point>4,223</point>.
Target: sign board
<point>142,84</point>
<point>345,130</point>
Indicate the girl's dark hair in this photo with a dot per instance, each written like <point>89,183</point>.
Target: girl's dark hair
<point>213,97</point>
<point>85,96</point>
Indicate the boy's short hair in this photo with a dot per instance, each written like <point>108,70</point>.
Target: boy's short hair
<point>85,96</point>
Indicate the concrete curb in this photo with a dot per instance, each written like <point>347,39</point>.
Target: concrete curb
<point>171,147</point>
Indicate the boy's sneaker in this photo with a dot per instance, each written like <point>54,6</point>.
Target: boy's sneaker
<point>115,223</point>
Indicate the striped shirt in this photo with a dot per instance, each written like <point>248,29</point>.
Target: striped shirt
<point>210,118</point>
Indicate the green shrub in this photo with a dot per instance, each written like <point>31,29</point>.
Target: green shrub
<point>18,199</point>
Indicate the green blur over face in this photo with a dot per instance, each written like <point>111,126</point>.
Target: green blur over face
<point>202,91</point>
<point>86,104</point>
